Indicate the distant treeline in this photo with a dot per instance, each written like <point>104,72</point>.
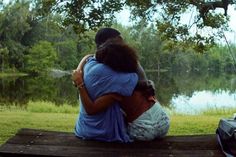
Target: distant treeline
<point>33,42</point>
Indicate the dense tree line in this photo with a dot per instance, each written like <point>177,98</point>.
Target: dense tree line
<point>33,42</point>
<point>34,38</point>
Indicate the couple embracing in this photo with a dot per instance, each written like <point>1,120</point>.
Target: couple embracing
<point>117,102</point>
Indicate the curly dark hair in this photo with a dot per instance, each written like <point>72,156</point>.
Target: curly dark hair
<point>117,55</point>
<point>122,58</point>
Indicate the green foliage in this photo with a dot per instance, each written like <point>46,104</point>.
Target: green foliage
<point>23,24</point>
<point>43,8</point>
<point>67,54</point>
<point>13,26</point>
<point>89,15</point>
<point>224,58</point>
<point>86,45</point>
<point>149,47</point>
<point>4,57</point>
<point>168,16</point>
<point>166,44</point>
<point>46,29</point>
<point>215,20</point>
<point>14,21</point>
<point>16,53</point>
<point>41,57</point>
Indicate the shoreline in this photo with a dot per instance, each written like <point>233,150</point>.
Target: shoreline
<point>11,74</point>
<point>48,116</point>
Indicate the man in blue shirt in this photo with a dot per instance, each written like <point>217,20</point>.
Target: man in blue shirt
<point>99,80</point>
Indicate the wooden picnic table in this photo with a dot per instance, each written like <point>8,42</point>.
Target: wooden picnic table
<point>31,143</point>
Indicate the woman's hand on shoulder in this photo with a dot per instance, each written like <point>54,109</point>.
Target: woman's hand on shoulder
<point>77,77</point>
<point>83,62</point>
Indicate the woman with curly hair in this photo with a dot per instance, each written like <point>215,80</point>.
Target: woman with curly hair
<point>145,117</point>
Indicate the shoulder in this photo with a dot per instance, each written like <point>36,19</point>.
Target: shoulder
<point>97,68</point>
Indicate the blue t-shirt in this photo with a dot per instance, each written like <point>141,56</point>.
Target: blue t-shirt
<point>108,125</point>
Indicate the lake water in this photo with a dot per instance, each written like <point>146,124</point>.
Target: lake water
<point>202,100</point>
<point>182,93</point>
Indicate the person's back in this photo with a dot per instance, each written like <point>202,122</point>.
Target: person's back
<point>122,58</point>
<point>108,125</point>
<point>143,98</point>
<point>142,110</point>
<point>146,118</point>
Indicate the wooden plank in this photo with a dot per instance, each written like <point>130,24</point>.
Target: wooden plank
<point>30,142</point>
<point>43,150</point>
<point>188,138</point>
<point>27,136</point>
<point>73,141</point>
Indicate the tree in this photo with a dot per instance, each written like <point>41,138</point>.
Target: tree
<point>149,46</point>
<point>67,54</point>
<point>46,29</point>
<point>87,15</point>
<point>13,25</point>
<point>4,54</point>
<point>16,54</point>
<point>41,57</point>
<point>14,21</point>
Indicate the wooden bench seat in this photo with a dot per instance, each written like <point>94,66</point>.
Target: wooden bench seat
<point>30,142</point>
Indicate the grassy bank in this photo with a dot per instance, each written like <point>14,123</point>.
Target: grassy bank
<point>44,115</point>
<point>12,74</point>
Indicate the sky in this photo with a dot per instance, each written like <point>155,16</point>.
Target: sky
<point>123,18</point>
<point>232,13</point>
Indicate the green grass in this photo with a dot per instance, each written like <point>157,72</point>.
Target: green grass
<point>49,107</point>
<point>204,123</point>
<point>42,107</point>
<point>217,111</point>
<point>12,74</point>
<point>191,125</point>
<point>12,121</point>
<point>37,115</point>
<point>48,116</point>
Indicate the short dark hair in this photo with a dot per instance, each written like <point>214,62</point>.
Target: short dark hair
<point>117,55</point>
<point>147,88</point>
<point>104,34</point>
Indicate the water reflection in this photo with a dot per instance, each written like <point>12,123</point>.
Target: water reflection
<point>192,93</point>
<point>19,91</point>
<point>184,92</point>
<point>203,100</point>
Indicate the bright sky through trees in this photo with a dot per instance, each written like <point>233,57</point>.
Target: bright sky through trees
<point>123,17</point>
